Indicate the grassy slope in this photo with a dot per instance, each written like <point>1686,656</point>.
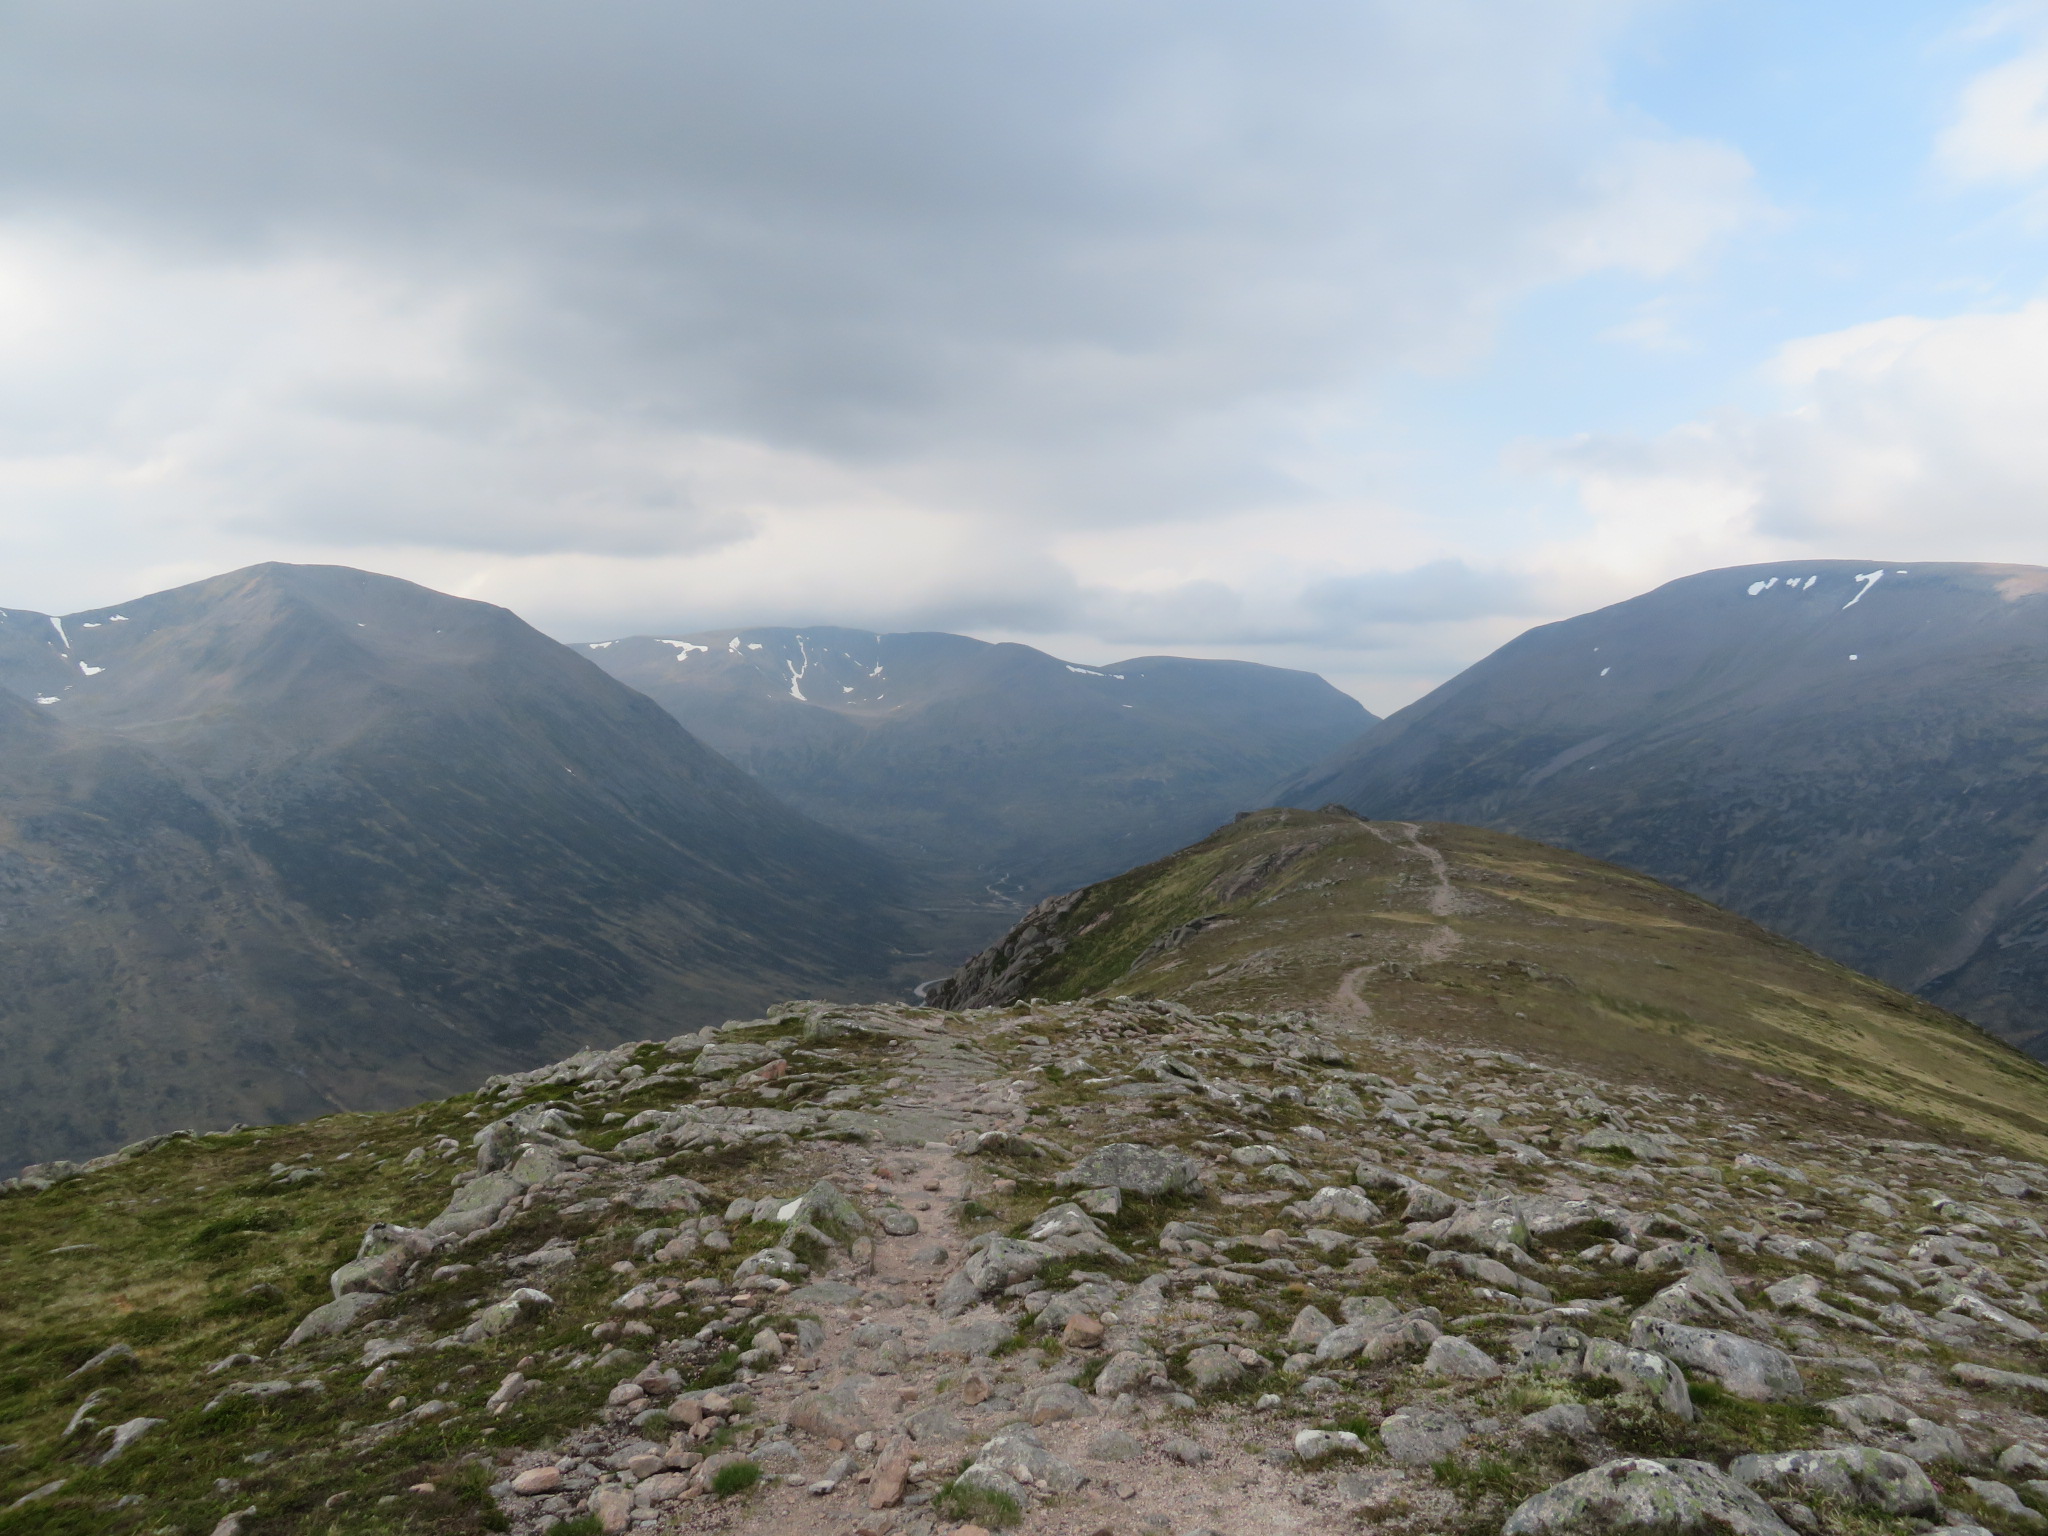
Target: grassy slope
<point>1537,949</point>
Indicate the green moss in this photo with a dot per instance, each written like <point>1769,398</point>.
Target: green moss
<point>977,1506</point>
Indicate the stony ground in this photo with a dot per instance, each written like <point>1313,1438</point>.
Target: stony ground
<point>1067,1268</point>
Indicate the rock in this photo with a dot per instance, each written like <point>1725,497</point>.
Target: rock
<point>892,1472</point>
<point>1417,1436</point>
<point>1491,1226</point>
<point>1335,1203</point>
<point>115,1357</point>
<point>1670,1498</point>
<point>536,1480</point>
<point>1309,1328</point>
<point>337,1316</point>
<point>1568,1419</point>
<point>825,1209</point>
<point>1989,1376</point>
<point>1082,1332</point>
<point>1001,1263</point>
<point>1744,1367</point>
<point>989,1479</point>
<point>1377,1341</point>
<point>1060,1401</point>
<point>503,1316</point>
<point>2006,1502</point>
<point>1148,1171</point>
<point>1641,1371</point>
<point>1850,1475</point>
<point>382,1258</point>
<point>1127,1371</point>
<point>1189,1453</point>
<point>966,1341</point>
<point>476,1205</point>
<point>661,1488</point>
<point>1860,1412</point>
<point>125,1435</point>
<point>2024,1459</point>
<point>1017,1454</point>
<point>778,1262</point>
<point>1702,1295</point>
<point>1459,1359</point>
<point>613,1507</point>
<point>1313,1445</point>
<point>1929,1442</point>
<point>1646,1149</point>
<point>1106,1201</point>
<point>899,1223</point>
<point>1212,1368</point>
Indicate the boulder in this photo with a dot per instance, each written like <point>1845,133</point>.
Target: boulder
<point>1017,1455</point>
<point>1071,1231</point>
<point>1212,1368</point>
<point>503,1316</point>
<point>1459,1359</point>
<point>1341,1203</point>
<point>1153,1172</point>
<point>1127,1371</point>
<point>1062,1400</point>
<point>337,1316</point>
<point>476,1205</point>
<point>1641,1371</point>
<point>1847,1475</point>
<point>825,1209</point>
<point>1745,1367</point>
<point>382,1259</point>
<point>1417,1436</point>
<point>1634,1494</point>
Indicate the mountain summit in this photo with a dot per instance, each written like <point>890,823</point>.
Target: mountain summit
<point>300,837</point>
<point>1848,752</point>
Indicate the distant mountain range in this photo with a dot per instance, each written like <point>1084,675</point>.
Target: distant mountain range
<point>998,771</point>
<point>299,838</point>
<point>1849,752</point>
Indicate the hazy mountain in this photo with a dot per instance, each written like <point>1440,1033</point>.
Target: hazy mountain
<point>299,837</point>
<point>1478,939</point>
<point>994,767</point>
<point>1848,752</point>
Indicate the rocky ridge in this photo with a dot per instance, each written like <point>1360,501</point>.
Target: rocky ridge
<point>1099,1265</point>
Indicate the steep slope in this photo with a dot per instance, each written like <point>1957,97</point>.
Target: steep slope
<point>1483,939</point>
<point>997,768</point>
<point>1848,753</point>
<point>299,837</point>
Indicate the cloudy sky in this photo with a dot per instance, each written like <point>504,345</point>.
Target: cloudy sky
<point>1357,336</point>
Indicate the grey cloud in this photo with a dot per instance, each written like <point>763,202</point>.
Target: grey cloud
<point>1065,260</point>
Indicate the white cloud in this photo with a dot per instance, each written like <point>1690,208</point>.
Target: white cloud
<point>2000,129</point>
<point>1906,438</point>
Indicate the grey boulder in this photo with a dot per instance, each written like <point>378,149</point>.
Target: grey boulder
<point>1745,1367</point>
<point>1149,1171</point>
<point>1849,1475</point>
<point>1634,1494</point>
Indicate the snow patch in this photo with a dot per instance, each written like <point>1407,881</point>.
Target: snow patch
<point>48,698</point>
<point>683,647</point>
<point>1855,658</point>
<point>1085,671</point>
<point>58,625</point>
<point>90,671</point>
<point>753,645</point>
<point>119,618</point>
<point>734,646</point>
<point>1756,587</point>
<point>1605,670</point>
<point>89,624</point>
<point>1867,581</point>
<point>595,645</point>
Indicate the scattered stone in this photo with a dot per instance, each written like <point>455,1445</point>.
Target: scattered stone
<point>1148,1171</point>
<point>1638,1495</point>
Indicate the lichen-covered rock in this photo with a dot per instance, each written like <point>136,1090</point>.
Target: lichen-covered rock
<point>1668,1498</point>
<point>1128,1370</point>
<point>1417,1436</point>
<point>1017,1455</point>
<point>1849,1475</point>
<point>1341,1203</point>
<point>1745,1367</point>
<point>1641,1371</point>
<point>826,1209</point>
<point>1212,1369</point>
<point>1153,1172</point>
<point>503,1316</point>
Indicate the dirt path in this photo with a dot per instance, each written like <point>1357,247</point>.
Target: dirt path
<point>1440,943</point>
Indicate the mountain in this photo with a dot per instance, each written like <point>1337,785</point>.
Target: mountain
<point>299,838</point>
<point>1355,1239</point>
<point>1487,941</point>
<point>999,770</point>
<point>1849,753</point>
